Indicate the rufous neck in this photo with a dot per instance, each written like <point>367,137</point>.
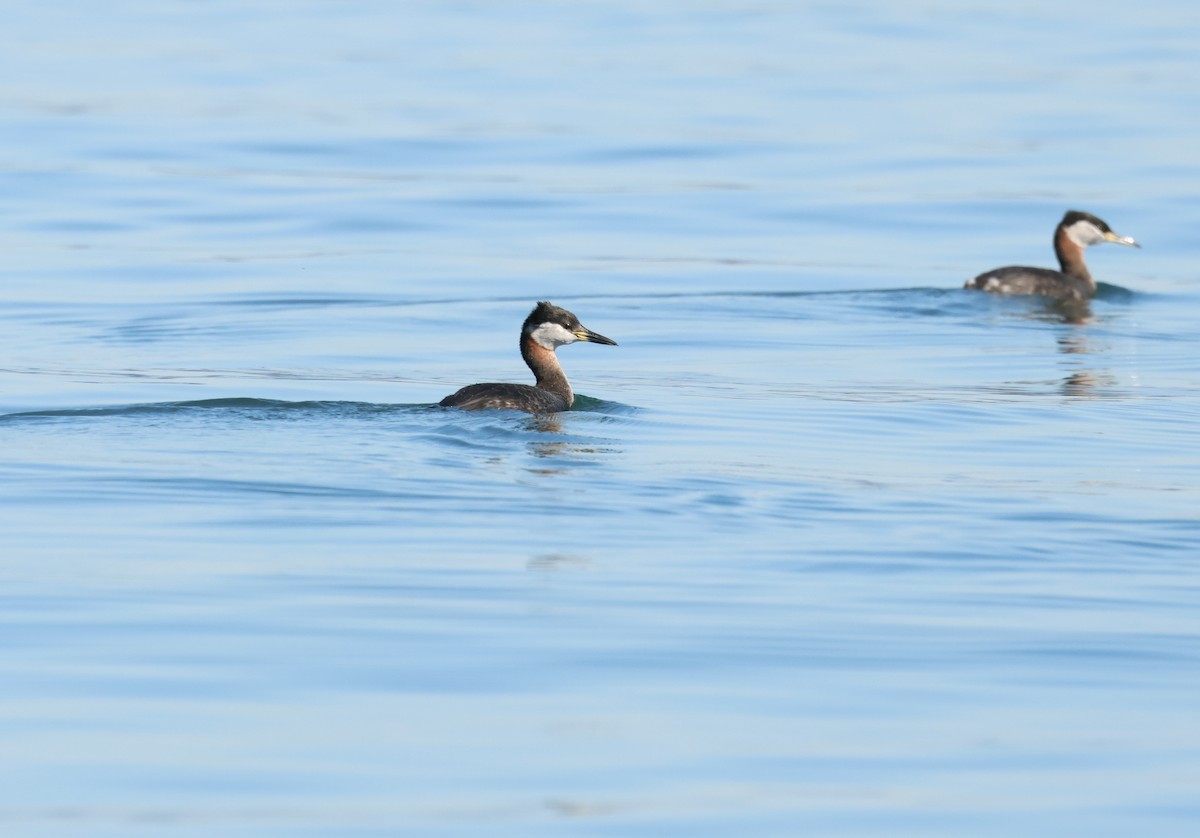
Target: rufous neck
<point>547,372</point>
<point>1070,257</point>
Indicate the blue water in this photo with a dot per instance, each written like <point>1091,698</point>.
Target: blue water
<point>827,547</point>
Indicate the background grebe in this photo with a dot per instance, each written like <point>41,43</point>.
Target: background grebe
<point>1075,232</point>
<point>545,329</point>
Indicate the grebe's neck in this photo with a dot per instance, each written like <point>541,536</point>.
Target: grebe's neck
<point>546,369</point>
<point>1070,257</point>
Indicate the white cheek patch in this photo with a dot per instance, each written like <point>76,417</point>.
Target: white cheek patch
<point>1084,233</point>
<point>552,335</point>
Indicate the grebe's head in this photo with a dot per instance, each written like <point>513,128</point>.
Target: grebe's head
<point>1085,229</point>
<point>552,327</point>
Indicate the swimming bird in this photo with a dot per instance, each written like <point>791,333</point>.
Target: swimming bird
<point>1073,283</point>
<point>545,329</point>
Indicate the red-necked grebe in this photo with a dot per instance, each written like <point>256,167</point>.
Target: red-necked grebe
<point>1075,232</point>
<point>545,329</point>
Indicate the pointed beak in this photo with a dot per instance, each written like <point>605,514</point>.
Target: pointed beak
<point>1110,236</point>
<point>584,333</point>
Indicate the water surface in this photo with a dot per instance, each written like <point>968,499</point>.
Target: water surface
<point>828,545</point>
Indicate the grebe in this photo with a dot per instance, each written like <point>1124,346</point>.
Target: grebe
<point>1073,283</point>
<point>545,329</point>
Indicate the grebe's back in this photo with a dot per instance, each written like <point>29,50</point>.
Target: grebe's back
<point>1019,279</point>
<point>501,396</point>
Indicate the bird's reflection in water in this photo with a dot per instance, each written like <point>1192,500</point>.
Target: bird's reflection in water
<point>1086,385</point>
<point>1047,310</point>
<point>1075,343</point>
<point>546,423</point>
<point>565,451</point>
<point>1076,312</point>
<point>1083,381</point>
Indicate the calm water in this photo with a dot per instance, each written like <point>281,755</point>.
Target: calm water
<point>828,547</point>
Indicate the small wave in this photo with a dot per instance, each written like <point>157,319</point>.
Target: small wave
<point>594,405</point>
<point>1116,293</point>
<point>242,405</point>
<point>267,407</point>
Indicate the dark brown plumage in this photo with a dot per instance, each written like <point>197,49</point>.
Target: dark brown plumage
<point>1073,282</point>
<point>545,329</point>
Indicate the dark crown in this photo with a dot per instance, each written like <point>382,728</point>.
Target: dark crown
<point>1075,216</point>
<point>546,312</point>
